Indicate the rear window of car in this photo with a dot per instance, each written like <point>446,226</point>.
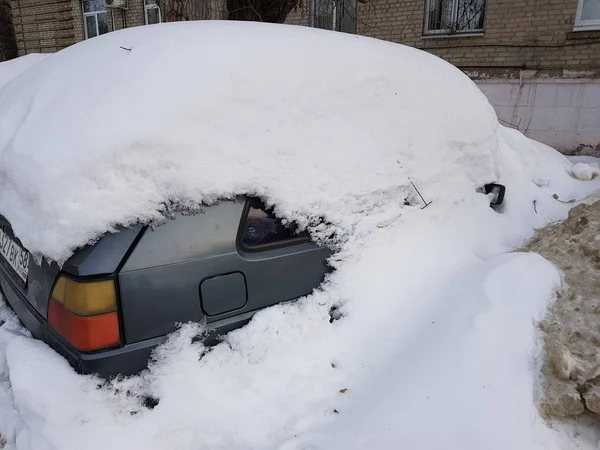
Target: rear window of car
<point>260,229</point>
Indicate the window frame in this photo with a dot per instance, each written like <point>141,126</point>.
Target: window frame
<point>148,7</point>
<point>336,16</point>
<point>449,31</point>
<point>297,240</point>
<point>584,25</point>
<point>93,14</point>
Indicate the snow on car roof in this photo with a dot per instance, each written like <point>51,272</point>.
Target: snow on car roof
<point>103,132</point>
<point>10,69</point>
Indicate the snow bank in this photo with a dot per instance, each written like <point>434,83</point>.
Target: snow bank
<point>462,380</point>
<point>10,69</point>
<point>323,125</point>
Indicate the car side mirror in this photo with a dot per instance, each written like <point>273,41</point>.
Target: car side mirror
<point>498,191</point>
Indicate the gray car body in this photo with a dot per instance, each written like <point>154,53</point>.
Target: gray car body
<point>190,269</point>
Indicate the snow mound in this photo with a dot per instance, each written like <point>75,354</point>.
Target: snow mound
<point>585,171</point>
<point>10,69</point>
<point>106,131</point>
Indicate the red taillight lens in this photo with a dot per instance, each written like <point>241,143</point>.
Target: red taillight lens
<point>85,313</point>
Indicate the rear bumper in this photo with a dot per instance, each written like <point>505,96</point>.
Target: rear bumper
<point>126,360</point>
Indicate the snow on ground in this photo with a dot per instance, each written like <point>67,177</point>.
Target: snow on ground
<point>437,345</point>
<point>10,69</point>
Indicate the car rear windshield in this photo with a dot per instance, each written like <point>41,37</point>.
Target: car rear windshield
<point>260,229</point>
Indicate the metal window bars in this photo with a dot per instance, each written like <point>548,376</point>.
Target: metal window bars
<point>454,16</point>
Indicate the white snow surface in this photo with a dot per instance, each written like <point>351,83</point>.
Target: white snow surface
<point>585,171</point>
<point>97,135</point>
<point>437,346</point>
<point>10,69</point>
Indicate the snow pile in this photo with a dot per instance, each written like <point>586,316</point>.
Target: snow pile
<point>10,69</point>
<point>436,345</point>
<point>585,171</point>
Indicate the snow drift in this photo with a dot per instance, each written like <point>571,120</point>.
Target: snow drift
<point>334,130</point>
<point>10,69</point>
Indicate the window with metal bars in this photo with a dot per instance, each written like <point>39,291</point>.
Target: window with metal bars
<point>337,15</point>
<point>454,16</point>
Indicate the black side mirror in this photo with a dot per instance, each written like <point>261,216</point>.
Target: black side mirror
<point>498,191</point>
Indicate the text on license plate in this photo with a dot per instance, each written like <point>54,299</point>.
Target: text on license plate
<point>17,257</point>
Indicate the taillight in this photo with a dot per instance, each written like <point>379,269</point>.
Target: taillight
<point>85,313</point>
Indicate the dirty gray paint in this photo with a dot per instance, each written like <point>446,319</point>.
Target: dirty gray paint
<point>564,114</point>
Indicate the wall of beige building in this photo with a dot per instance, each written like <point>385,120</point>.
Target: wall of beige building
<point>541,76</point>
<point>47,26</point>
<point>519,34</point>
<point>43,26</point>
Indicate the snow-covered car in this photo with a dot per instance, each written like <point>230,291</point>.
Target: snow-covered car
<point>112,302</point>
<point>374,149</point>
<point>109,298</point>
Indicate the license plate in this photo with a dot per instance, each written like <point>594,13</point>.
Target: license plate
<point>17,257</point>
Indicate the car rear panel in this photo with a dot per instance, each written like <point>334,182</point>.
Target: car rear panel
<point>161,283</point>
<point>102,258</point>
<point>30,299</point>
<point>163,277</point>
<point>39,281</point>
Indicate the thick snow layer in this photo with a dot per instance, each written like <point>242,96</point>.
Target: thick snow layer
<point>585,171</point>
<point>436,347</point>
<point>10,69</point>
<point>98,134</point>
<point>451,370</point>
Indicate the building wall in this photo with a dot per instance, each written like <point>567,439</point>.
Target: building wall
<point>524,34</point>
<point>43,26</point>
<point>50,25</point>
<point>519,34</point>
<point>298,15</point>
<point>133,16</point>
<point>563,113</point>
<point>540,76</point>
<point>46,26</point>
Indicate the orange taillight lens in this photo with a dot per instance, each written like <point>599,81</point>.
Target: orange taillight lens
<point>85,313</point>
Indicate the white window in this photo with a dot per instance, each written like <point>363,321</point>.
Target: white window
<point>152,12</point>
<point>337,15</point>
<point>95,18</point>
<point>454,16</point>
<point>588,15</point>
